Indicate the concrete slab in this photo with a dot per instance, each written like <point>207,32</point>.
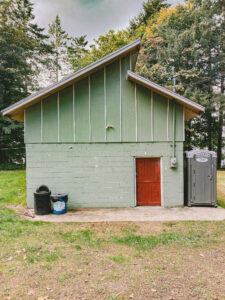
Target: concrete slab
<point>136,214</point>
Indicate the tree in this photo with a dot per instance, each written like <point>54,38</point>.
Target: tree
<point>77,52</point>
<point>22,46</point>
<point>59,42</point>
<point>150,8</point>
<point>102,46</point>
<point>80,57</point>
<point>186,41</point>
<point>220,6</point>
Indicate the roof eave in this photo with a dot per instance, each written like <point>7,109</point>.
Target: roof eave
<point>22,104</point>
<point>192,106</point>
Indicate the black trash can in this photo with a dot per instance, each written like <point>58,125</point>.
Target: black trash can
<point>42,201</point>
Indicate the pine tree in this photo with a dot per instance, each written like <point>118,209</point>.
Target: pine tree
<point>77,52</point>
<point>59,42</point>
<point>22,46</point>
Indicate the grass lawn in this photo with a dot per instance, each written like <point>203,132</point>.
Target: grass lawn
<point>221,188</point>
<point>112,261</point>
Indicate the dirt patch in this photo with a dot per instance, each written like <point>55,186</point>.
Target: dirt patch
<point>164,274</point>
<point>111,261</point>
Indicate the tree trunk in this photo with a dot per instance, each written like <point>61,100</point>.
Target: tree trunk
<point>220,128</point>
<point>210,132</point>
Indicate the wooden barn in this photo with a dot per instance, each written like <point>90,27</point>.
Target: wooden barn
<point>106,136</point>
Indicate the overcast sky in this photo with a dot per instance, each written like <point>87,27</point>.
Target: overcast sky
<point>90,17</point>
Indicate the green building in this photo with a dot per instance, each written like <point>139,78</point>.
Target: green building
<point>106,136</point>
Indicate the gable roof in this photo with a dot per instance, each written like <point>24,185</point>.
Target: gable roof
<point>192,108</point>
<point>14,111</point>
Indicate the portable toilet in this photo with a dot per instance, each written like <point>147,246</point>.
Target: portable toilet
<point>201,178</point>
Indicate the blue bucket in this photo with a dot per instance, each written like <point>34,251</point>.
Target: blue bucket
<point>59,203</point>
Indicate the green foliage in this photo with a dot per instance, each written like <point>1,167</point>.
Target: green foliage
<point>70,53</point>
<point>10,167</point>
<point>187,41</point>
<point>59,41</point>
<point>22,47</point>
<point>102,46</point>
<point>80,56</point>
<point>77,52</point>
<point>149,11</point>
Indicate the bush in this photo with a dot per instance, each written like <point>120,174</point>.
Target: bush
<point>8,167</point>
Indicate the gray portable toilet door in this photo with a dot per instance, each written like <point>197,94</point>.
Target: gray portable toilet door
<point>203,179</point>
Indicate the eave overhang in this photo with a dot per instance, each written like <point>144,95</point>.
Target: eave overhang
<point>16,111</point>
<point>192,108</point>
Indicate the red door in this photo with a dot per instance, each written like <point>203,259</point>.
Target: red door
<point>148,182</point>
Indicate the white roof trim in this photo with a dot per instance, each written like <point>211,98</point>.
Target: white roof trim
<point>69,79</point>
<point>143,81</point>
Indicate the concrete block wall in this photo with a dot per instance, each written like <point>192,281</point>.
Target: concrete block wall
<point>101,175</point>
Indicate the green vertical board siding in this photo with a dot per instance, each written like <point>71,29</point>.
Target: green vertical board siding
<point>97,106</point>
<point>33,124</point>
<point>50,119</point>
<point>159,117</point>
<point>179,122</point>
<point>113,101</point>
<point>128,103</point>
<point>133,60</point>
<point>66,132</point>
<point>178,113</point>
<point>108,92</point>
<point>82,110</point>
<point>171,105</point>
<point>143,98</point>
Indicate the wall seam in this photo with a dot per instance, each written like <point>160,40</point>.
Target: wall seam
<point>74,117</point>
<point>105,103</point>
<point>152,129</point>
<point>41,121</point>
<point>174,128</point>
<point>136,110</point>
<point>183,125</point>
<point>120,104</point>
<point>89,101</point>
<point>168,110</point>
<point>58,114</point>
<point>24,116</point>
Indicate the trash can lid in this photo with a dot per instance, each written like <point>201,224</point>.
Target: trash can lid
<point>42,189</point>
<point>57,196</point>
